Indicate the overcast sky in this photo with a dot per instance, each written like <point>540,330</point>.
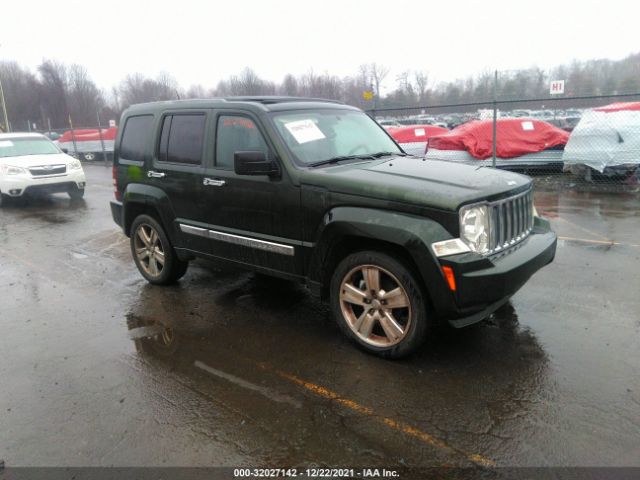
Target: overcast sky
<point>204,41</point>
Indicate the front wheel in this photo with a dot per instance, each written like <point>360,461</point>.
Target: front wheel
<point>76,193</point>
<point>379,304</point>
<point>154,256</point>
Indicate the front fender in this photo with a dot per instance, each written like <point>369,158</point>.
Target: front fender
<point>414,234</point>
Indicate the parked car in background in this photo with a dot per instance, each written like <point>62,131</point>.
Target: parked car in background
<point>605,140</point>
<point>52,135</point>
<point>521,143</point>
<point>413,138</point>
<point>422,121</point>
<point>388,123</point>
<point>88,144</point>
<point>31,163</point>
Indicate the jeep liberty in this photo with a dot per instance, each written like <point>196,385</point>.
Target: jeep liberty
<point>317,192</point>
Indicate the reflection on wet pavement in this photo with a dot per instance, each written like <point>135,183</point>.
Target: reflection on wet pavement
<point>231,368</point>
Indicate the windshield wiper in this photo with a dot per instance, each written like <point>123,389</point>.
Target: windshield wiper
<point>385,154</point>
<point>368,156</point>
<point>340,158</point>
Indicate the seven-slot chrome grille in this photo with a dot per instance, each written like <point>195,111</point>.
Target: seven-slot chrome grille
<point>511,221</point>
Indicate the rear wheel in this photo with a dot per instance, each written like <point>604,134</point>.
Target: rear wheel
<point>153,254</point>
<point>379,304</point>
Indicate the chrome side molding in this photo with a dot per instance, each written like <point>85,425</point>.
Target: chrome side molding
<point>239,240</point>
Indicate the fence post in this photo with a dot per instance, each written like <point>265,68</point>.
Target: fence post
<point>73,139</point>
<point>104,153</point>
<point>495,118</point>
<point>29,126</point>
<point>49,125</point>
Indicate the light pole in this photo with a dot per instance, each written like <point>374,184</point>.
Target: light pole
<point>4,107</point>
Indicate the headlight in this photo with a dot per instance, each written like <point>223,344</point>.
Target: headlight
<point>10,170</point>
<point>75,165</point>
<point>474,227</point>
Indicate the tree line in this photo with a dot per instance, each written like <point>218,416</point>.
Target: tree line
<point>55,94</point>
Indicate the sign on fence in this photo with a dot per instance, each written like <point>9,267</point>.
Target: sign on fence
<point>556,87</point>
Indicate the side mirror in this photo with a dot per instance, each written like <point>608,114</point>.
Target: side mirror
<point>254,163</point>
<point>65,150</point>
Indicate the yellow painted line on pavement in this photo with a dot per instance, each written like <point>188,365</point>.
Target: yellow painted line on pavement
<point>369,412</point>
<point>591,232</point>
<point>598,242</point>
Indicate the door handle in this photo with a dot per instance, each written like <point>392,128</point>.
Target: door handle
<point>213,182</point>
<point>152,174</point>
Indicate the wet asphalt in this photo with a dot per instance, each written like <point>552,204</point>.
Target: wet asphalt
<point>254,371</point>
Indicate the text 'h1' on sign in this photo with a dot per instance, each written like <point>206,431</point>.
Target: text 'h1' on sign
<point>556,87</point>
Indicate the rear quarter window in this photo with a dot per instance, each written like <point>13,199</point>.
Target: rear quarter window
<point>135,144</point>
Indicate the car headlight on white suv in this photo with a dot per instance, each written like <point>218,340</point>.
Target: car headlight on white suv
<point>11,170</point>
<point>474,227</point>
<point>74,165</point>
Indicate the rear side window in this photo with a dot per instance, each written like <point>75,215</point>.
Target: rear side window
<point>236,133</point>
<point>135,138</point>
<point>182,138</point>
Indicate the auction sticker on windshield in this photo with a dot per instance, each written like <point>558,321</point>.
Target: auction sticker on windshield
<point>304,131</point>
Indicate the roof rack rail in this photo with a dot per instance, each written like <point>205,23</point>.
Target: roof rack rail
<point>270,99</point>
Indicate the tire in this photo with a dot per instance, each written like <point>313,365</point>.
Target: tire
<point>76,193</point>
<point>3,199</point>
<point>163,267</point>
<point>366,318</point>
<point>164,345</point>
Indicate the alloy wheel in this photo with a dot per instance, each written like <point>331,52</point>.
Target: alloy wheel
<point>375,305</point>
<point>149,250</point>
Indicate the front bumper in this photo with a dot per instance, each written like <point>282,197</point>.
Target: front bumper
<point>18,185</point>
<point>483,284</point>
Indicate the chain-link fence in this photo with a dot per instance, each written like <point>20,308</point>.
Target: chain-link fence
<point>587,143</point>
<point>91,144</point>
<point>579,142</point>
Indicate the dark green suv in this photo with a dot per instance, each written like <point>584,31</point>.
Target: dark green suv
<point>317,192</point>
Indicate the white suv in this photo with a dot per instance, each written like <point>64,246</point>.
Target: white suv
<point>31,163</point>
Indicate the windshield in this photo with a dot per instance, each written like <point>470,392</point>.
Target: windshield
<point>15,147</point>
<point>319,135</point>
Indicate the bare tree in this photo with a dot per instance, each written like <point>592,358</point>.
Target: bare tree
<point>166,87</point>
<point>137,88</point>
<point>85,100</point>
<point>53,92</point>
<point>247,83</point>
<point>421,86</point>
<point>19,86</point>
<point>196,91</point>
<point>378,74</point>
<point>290,86</point>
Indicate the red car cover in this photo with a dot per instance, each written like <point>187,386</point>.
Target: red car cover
<point>619,106</point>
<point>89,135</point>
<point>415,133</point>
<point>515,137</point>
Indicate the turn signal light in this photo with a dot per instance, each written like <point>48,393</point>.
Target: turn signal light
<point>450,277</point>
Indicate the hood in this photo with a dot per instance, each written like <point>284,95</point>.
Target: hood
<point>27,161</point>
<point>428,183</point>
